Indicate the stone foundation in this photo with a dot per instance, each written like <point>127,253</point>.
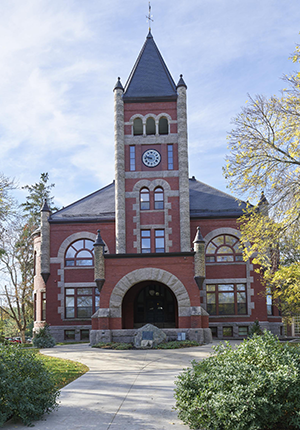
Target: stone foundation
<point>200,335</point>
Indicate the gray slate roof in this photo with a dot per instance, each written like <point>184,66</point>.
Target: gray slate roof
<point>205,202</point>
<point>150,78</point>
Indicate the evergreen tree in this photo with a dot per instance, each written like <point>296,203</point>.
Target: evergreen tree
<point>38,193</point>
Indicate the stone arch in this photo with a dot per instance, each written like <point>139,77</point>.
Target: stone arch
<point>224,230</point>
<point>76,236</point>
<point>151,185</point>
<point>149,274</point>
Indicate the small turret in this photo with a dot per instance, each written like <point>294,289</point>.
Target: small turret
<point>263,205</point>
<point>45,241</point>
<point>99,263</point>
<point>199,258</point>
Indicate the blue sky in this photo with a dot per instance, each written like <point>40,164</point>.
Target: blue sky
<point>61,59</point>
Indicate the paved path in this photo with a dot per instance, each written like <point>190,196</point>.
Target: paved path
<point>123,389</point>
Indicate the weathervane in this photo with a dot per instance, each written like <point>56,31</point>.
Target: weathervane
<point>149,17</point>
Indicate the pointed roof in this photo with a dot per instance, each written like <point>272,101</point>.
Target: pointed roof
<point>150,79</point>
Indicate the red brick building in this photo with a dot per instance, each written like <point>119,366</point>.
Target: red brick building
<point>150,263</point>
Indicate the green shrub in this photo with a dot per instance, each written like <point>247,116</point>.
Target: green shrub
<point>27,388</point>
<point>252,387</point>
<point>113,345</point>
<point>255,329</point>
<point>175,344</point>
<point>43,339</point>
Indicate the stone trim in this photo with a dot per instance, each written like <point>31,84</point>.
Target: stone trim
<point>156,119</point>
<point>161,174</point>
<point>149,274</point>
<point>249,267</point>
<point>151,185</point>
<point>151,139</point>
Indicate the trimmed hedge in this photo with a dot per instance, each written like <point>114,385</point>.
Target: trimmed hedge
<point>255,386</point>
<point>27,388</point>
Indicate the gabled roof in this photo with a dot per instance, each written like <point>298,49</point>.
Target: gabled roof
<point>208,202</point>
<point>150,79</point>
<point>205,202</point>
<point>99,206</point>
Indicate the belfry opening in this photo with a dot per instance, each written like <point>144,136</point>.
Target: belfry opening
<point>149,302</point>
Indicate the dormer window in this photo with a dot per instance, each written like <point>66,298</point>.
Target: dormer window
<point>137,127</point>
<point>163,126</point>
<point>150,126</point>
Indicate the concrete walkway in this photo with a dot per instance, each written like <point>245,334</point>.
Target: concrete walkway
<point>123,389</point>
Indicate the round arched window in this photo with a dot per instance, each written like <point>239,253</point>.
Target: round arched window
<point>150,126</point>
<point>224,248</point>
<point>80,254</point>
<point>137,127</point>
<point>163,126</point>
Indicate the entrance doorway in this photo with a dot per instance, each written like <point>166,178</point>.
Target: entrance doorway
<point>149,302</point>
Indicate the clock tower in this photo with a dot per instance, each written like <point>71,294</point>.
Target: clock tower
<point>151,159</point>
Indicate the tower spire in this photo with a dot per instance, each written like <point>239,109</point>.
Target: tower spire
<point>149,17</point>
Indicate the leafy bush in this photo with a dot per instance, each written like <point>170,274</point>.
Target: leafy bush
<point>177,344</point>
<point>255,329</point>
<point>27,388</point>
<point>43,339</point>
<point>252,387</point>
<point>113,345</point>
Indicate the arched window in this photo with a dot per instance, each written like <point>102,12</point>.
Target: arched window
<point>145,199</point>
<point>150,126</point>
<point>80,253</point>
<point>158,198</point>
<point>224,249</point>
<point>137,127</point>
<point>163,126</point>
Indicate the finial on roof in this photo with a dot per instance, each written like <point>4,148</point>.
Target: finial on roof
<point>263,200</point>
<point>45,207</point>
<point>181,82</point>
<point>198,237</point>
<point>118,85</point>
<point>149,18</point>
<point>99,240</point>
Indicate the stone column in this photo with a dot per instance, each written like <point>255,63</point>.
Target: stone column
<point>199,258</point>
<point>99,262</point>
<point>184,192</point>
<point>45,242</point>
<point>119,169</point>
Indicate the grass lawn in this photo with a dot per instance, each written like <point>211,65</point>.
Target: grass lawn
<point>65,371</point>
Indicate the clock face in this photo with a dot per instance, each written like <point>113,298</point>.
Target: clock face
<point>151,158</point>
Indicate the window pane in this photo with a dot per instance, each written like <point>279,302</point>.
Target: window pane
<point>84,301</point>
<point>163,126</point>
<point>78,245</point>
<point>210,287</point>
<point>241,287</point>
<point>219,240</point>
<point>170,157</point>
<point>70,301</point>
<point>238,247</point>
<point>70,291</point>
<point>239,258</point>
<point>210,259</point>
<point>241,297</point>
<point>70,252</point>
<point>69,334</point>
<point>137,127</point>
<point>227,331</point>
<point>150,126</point>
<point>70,313</point>
<point>226,287</point>
<point>159,233</point>
<point>226,298</point>
<point>222,258</point>
<point>89,244</point>
<point>211,249</point>
<point>211,309</point>
<point>70,263</point>
<point>84,291</point>
<point>225,250</point>
<point>226,309</point>
<point>243,331</point>
<point>84,254</point>
<point>241,308</point>
<point>230,240</point>
<point>132,158</point>
<point>84,262</point>
<point>145,233</point>
<point>211,298</point>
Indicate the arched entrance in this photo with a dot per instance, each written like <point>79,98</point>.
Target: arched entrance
<point>149,302</point>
